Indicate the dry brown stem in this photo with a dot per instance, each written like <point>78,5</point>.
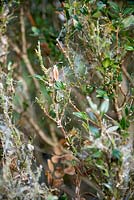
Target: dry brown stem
<point>116,106</point>
<point>23,53</point>
<point>127,75</point>
<point>44,137</point>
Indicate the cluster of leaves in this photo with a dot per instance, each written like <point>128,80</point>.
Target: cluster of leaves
<point>85,99</point>
<point>81,96</point>
<point>19,173</point>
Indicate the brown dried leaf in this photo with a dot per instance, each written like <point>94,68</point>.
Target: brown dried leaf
<point>65,158</point>
<point>55,159</point>
<point>57,151</point>
<point>68,157</point>
<point>50,165</point>
<point>49,178</point>
<point>55,73</point>
<point>24,178</point>
<point>13,165</point>
<point>69,170</point>
<point>59,172</point>
<point>57,182</point>
<point>72,133</point>
<point>45,49</point>
<point>87,142</point>
<point>62,142</point>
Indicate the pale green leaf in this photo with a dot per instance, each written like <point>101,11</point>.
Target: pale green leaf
<point>92,105</point>
<point>104,106</point>
<point>112,129</point>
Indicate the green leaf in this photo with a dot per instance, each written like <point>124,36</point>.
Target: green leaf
<point>52,113</point>
<point>116,154</point>
<point>89,89</point>
<point>84,10</point>
<point>101,93</point>
<point>51,197</point>
<point>128,11</point>
<point>35,31</point>
<point>104,106</point>
<point>119,78</point>
<point>127,110</point>
<point>39,77</point>
<point>91,115</point>
<point>45,93</point>
<point>97,154</point>
<point>86,126</point>
<point>128,21</point>
<point>92,105</point>
<point>64,197</point>
<point>78,26</point>
<point>97,14</point>
<point>124,123</point>
<point>81,115</point>
<point>114,6</point>
<point>101,5</point>
<point>125,135</point>
<point>108,186</point>
<point>76,23</point>
<point>94,131</point>
<point>106,62</point>
<point>112,129</point>
<point>9,66</point>
<point>59,85</point>
<point>129,48</point>
<point>103,168</point>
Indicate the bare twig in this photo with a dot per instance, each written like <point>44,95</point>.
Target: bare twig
<point>125,97</point>
<point>110,118</point>
<point>23,53</point>
<point>44,137</point>
<point>58,123</point>
<point>23,34</point>
<point>77,189</point>
<point>26,61</point>
<point>94,186</point>
<point>117,39</point>
<point>24,48</point>
<point>31,19</point>
<point>117,109</point>
<point>53,134</point>
<point>127,75</point>
<point>64,51</point>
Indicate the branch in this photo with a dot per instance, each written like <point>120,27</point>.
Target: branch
<point>24,48</point>
<point>26,61</point>
<point>127,75</point>
<point>58,123</point>
<point>23,34</point>
<point>117,109</point>
<point>23,53</point>
<point>44,137</point>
